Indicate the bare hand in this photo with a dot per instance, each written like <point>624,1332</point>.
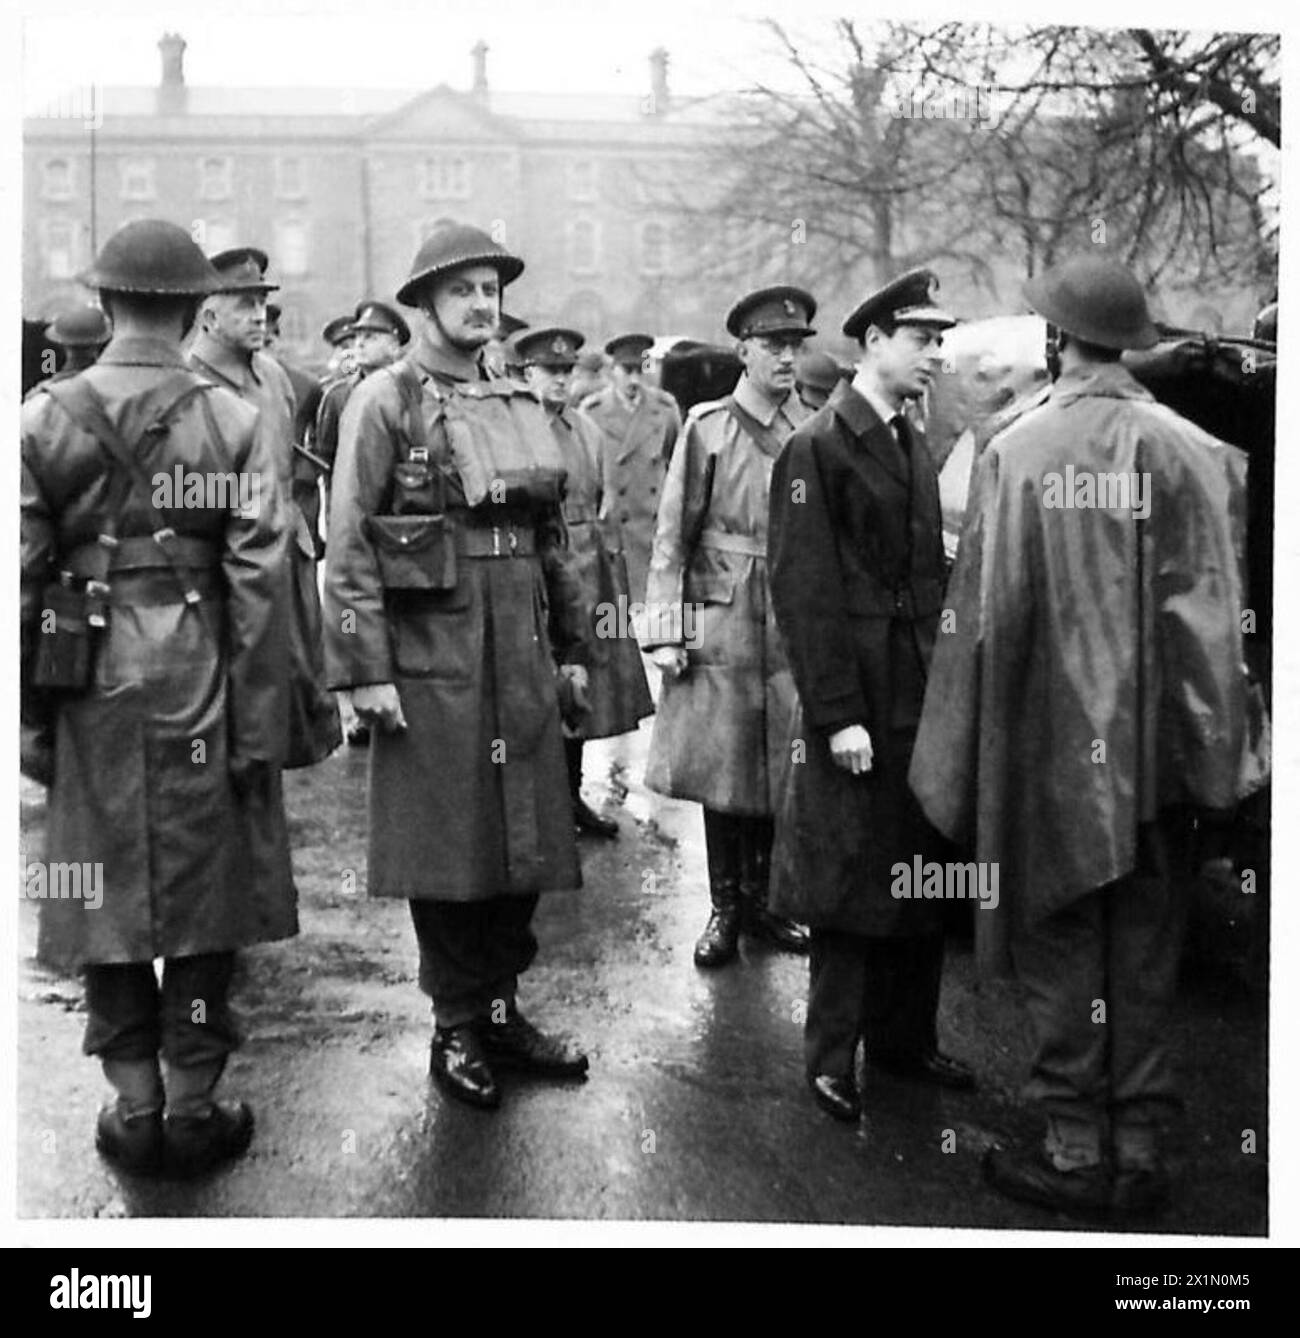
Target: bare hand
<point>671,660</point>
<point>379,704</point>
<point>851,749</point>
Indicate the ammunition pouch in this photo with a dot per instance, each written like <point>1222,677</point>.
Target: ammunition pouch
<point>64,659</point>
<point>414,552</point>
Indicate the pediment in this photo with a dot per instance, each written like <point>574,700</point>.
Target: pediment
<point>439,115</point>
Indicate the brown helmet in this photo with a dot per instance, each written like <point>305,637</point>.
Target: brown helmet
<point>151,256</point>
<point>452,246</point>
<point>1094,299</point>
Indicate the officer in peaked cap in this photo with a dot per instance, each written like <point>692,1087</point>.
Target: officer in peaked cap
<point>337,332</point>
<point>721,732</point>
<point>195,858</point>
<point>230,351</point>
<point>617,695</point>
<point>381,334</point>
<point>81,332</point>
<point>448,482</point>
<point>855,529</point>
<point>500,355</point>
<point>639,424</point>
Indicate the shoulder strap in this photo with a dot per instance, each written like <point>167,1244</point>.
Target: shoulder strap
<point>82,403</point>
<point>415,430</point>
<point>763,437</point>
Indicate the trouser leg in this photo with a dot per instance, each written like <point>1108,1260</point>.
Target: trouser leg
<point>1145,914</point>
<point>122,1012</point>
<point>901,995</point>
<point>573,762</point>
<point>1061,965</point>
<point>509,947</point>
<point>198,1025</point>
<point>836,972</point>
<point>450,937</point>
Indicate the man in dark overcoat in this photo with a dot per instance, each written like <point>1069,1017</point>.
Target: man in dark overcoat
<point>857,584</point>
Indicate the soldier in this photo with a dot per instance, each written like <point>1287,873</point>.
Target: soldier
<point>81,333</point>
<point>722,735</point>
<point>857,584</point>
<point>153,647</point>
<point>617,696</point>
<point>1093,678</point>
<point>639,424</point>
<point>228,351</point>
<point>446,556</point>
<point>817,375</point>
<point>338,334</point>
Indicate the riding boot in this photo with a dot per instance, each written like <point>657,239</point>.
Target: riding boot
<point>755,878</point>
<point>585,818</point>
<point>717,945</point>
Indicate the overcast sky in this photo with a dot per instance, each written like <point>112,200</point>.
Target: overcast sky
<point>544,45</point>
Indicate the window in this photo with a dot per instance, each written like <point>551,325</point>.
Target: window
<point>654,248</point>
<point>216,176</point>
<point>582,179</point>
<point>60,248</point>
<point>445,178</point>
<point>56,179</point>
<point>291,248</point>
<point>138,179</point>
<point>289,178</point>
<point>213,235</point>
<point>584,247</point>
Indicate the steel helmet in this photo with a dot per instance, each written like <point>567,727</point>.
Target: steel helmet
<point>151,256</point>
<point>452,246</point>
<point>1094,299</point>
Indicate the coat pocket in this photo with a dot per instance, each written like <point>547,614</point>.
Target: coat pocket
<point>415,553</point>
<point>438,634</point>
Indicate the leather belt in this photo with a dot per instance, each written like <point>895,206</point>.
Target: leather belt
<point>498,541</point>
<point>749,544</point>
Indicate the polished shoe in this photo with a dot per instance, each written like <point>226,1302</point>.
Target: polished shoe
<point>1031,1177</point>
<point>717,945</point>
<point>195,1144</point>
<point>133,1142</point>
<point>1142,1191</point>
<point>586,819</point>
<point>758,922</point>
<point>935,1068</point>
<point>459,1066</point>
<point>359,736</point>
<point>517,1044</point>
<point>837,1096</point>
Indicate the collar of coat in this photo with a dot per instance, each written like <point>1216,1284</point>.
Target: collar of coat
<point>138,351</point>
<point>436,362</point>
<point>867,427</point>
<point>1099,380</point>
<point>238,370</point>
<point>759,406</point>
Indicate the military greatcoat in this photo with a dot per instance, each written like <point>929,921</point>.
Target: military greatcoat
<point>141,784</point>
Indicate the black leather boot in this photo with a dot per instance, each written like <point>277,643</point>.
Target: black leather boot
<point>717,945</point>
<point>755,877</point>
<point>585,818</point>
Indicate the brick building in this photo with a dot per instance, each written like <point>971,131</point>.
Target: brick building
<point>341,185</point>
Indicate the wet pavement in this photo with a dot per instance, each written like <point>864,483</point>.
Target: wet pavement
<point>695,1107</point>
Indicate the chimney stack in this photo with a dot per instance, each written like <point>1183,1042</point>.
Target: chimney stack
<point>171,91</point>
<point>479,52</point>
<point>658,81</point>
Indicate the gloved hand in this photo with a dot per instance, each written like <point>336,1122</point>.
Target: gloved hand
<point>851,749</point>
<point>379,704</point>
<point>672,660</point>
